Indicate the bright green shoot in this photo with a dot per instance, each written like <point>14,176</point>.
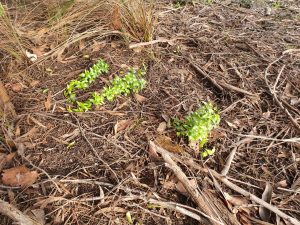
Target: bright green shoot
<point>85,79</point>
<point>197,125</point>
<point>131,82</point>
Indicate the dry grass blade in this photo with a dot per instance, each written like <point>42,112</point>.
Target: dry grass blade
<point>136,18</point>
<point>10,40</point>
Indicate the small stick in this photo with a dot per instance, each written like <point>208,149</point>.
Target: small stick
<point>231,156</point>
<point>228,183</point>
<point>94,150</point>
<point>236,188</point>
<point>15,214</point>
<point>184,180</point>
<point>162,40</point>
<point>178,208</point>
<point>203,73</point>
<point>273,93</point>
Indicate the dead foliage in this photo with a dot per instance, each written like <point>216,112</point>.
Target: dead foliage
<point>96,167</point>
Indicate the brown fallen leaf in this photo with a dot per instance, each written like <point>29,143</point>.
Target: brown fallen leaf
<point>122,125</point>
<point>40,50</point>
<point>34,83</point>
<point>161,127</point>
<point>110,209</point>
<point>166,143</point>
<point>19,176</point>
<point>179,186</point>
<point>6,158</point>
<point>48,101</point>
<point>153,153</point>
<point>264,213</point>
<point>140,98</point>
<point>114,113</point>
<point>16,87</point>
<point>236,200</point>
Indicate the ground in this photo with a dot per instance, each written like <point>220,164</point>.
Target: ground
<point>240,59</point>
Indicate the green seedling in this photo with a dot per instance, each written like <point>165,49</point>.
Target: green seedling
<point>197,125</point>
<point>207,152</point>
<point>85,79</point>
<point>131,82</point>
<point>129,218</point>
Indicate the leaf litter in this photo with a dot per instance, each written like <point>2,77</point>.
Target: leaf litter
<point>216,38</point>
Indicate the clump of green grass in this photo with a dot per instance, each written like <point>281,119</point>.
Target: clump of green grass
<point>198,125</point>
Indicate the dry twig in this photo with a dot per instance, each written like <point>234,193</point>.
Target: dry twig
<point>15,214</point>
<point>275,97</point>
<point>229,184</point>
<point>185,182</point>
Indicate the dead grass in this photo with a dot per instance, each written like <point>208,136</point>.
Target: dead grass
<point>10,39</point>
<point>136,18</point>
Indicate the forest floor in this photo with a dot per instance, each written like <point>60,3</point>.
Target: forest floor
<point>95,167</point>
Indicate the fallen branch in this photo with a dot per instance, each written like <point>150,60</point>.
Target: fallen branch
<point>221,85</point>
<point>238,189</point>
<point>15,214</point>
<point>228,183</point>
<point>196,196</point>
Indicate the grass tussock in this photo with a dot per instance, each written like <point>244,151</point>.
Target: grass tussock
<point>11,45</point>
<point>135,18</point>
<point>65,23</point>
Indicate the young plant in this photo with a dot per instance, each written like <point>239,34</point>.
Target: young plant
<point>85,79</point>
<point>131,82</point>
<point>197,125</point>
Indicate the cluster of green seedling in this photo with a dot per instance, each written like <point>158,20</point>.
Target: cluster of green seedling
<point>198,125</point>
<point>132,81</point>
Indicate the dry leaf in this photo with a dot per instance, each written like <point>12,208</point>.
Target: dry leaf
<point>19,176</point>
<point>110,209</point>
<point>34,83</point>
<point>40,50</point>
<point>264,213</point>
<point>140,98</point>
<point>282,183</point>
<point>6,158</point>
<point>162,127</point>
<point>16,87</point>
<point>231,124</point>
<point>236,200</point>
<point>116,21</point>
<point>122,125</point>
<point>153,153</point>
<point>39,214</point>
<point>48,101</point>
<point>166,143</point>
<point>179,186</point>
